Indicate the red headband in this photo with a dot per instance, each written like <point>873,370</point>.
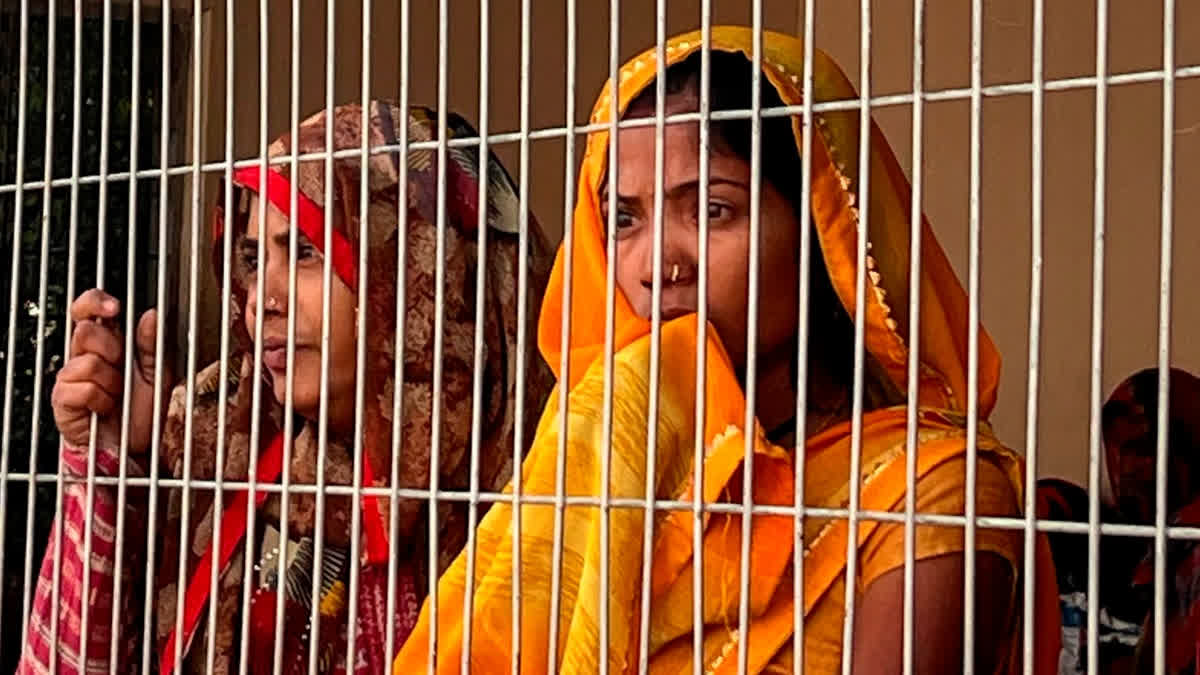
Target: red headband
<point>310,218</point>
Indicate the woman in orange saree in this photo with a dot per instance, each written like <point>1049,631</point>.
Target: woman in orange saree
<point>783,583</point>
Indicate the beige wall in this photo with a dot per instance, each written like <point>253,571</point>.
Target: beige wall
<point>1134,148</point>
<point>1133,189</point>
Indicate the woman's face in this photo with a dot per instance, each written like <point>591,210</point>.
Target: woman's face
<point>728,208</point>
<point>273,274</point>
<point>1130,445</point>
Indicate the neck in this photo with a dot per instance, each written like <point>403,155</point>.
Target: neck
<point>341,416</point>
<point>775,396</point>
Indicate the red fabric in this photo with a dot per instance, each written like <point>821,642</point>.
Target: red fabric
<point>233,529</point>
<point>310,218</point>
<point>1047,612</point>
<point>376,536</point>
<point>262,634</point>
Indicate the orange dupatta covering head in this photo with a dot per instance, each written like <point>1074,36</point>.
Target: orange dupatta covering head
<point>580,450</point>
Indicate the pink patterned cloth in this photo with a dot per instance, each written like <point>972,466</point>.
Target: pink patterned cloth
<point>68,650</point>
<point>41,636</point>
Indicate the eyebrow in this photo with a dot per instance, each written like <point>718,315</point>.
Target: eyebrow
<point>680,189</point>
<point>279,239</point>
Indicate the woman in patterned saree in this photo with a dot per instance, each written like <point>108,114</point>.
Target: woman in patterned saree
<point>92,383</point>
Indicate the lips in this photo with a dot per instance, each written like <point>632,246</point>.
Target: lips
<point>275,353</point>
<point>275,359</point>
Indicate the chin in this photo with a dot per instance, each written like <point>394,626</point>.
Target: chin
<point>303,400</point>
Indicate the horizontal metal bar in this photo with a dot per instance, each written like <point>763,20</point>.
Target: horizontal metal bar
<point>991,522</point>
<point>999,90</point>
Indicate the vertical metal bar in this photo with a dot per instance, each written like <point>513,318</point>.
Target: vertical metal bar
<point>916,222</point>
<point>76,104</point>
<point>314,623</point>
<point>568,245</point>
<point>1033,389</point>
<point>439,301</point>
<point>249,563</point>
<point>43,273</point>
<point>756,79</point>
<point>223,368</point>
<point>14,281</point>
<point>290,369</point>
<point>1095,436</point>
<point>660,86</point>
<point>522,345</point>
<point>480,300</point>
<point>130,329</point>
<point>188,438</point>
<point>1166,245</point>
<point>72,237</point>
<point>610,293</point>
<point>973,291</point>
<point>364,248</point>
<point>856,418</point>
<point>101,246</point>
<point>802,335</point>
<point>149,591</point>
<point>700,441</point>
<point>191,358</point>
<point>401,324</point>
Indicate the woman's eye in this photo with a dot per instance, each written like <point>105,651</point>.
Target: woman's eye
<point>624,219</point>
<point>718,211</point>
<point>307,252</point>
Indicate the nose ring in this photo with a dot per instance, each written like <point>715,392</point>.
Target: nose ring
<point>674,273</point>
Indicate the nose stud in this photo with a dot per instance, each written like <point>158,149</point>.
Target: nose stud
<point>272,303</point>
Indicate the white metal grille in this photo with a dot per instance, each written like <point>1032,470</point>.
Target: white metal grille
<point>190,129</point>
